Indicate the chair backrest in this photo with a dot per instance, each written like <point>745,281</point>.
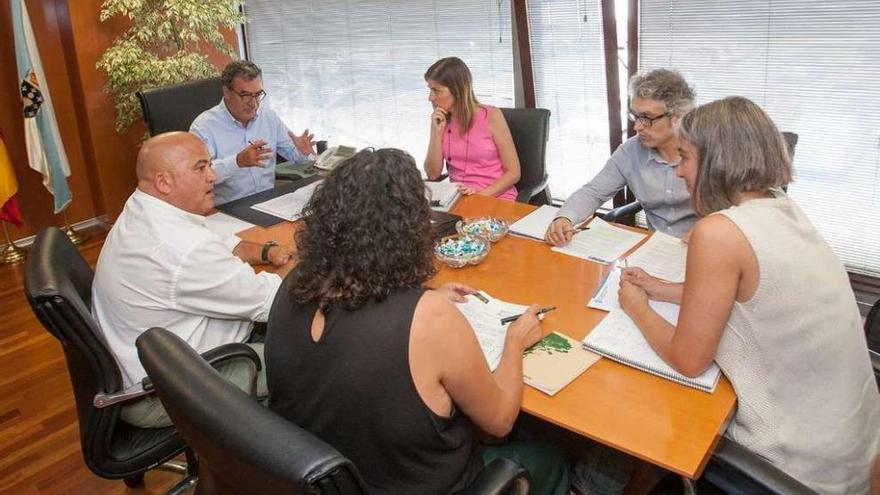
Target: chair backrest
<point>243,447</point>
<point>58,284</point>
<point>173,108</point>
<point>791,140</point>
<point>530,128</point>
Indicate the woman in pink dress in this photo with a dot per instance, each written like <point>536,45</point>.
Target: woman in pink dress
<point>472,139</point>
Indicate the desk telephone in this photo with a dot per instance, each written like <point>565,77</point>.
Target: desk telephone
<point>331,157</point>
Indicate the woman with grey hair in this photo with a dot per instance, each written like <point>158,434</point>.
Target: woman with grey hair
<point>767,299</point>
<point>645,163</point>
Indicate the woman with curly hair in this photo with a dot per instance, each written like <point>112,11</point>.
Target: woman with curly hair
<point>390,373</point>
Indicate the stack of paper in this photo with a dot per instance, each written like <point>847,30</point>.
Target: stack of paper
<point>484,313</point>
<point>289,206</point>
<point>554,362</point>
<point>601,242</point>
<point>442,194</point>
<point>535,224</point>
<point>662,256</point>
<point>617,337</point>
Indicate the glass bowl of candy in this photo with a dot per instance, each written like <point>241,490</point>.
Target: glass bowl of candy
<point>488,227</point>
<point>460,250</point>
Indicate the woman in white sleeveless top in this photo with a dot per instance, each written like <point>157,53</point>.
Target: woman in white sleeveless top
<point>767,299</point>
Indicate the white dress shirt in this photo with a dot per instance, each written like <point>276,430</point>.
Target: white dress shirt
<point>161,267</point>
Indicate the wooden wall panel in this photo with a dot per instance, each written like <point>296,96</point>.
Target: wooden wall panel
<point>71,39</point>
<point>36,202</point>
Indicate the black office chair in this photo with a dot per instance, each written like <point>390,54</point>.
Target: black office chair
<point>244,447</point>
<point>872,335</point>
<point>175,107</point>
<point>58,284</point>
<point>626,214</point>
<point>530,128</point>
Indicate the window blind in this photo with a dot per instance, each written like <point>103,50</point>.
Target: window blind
<point>568,62</point>
<point>813,66</point>
<point>351,70</point>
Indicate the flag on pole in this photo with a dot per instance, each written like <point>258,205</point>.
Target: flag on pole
<point>8,188</point>
<point>44,147</point>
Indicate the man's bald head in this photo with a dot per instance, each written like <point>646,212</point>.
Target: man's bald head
<point>164,152</point>
<point>176,168</point>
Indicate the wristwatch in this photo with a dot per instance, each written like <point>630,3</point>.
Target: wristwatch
<point>264,256</point>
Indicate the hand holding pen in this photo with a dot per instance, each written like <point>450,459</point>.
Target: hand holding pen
<point>526,330</point>
<point>541,311</point>
<point>561,230</point>
<point>255,154</point>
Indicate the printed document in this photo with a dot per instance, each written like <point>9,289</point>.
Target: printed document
<point>535,224</point>
<point>485,318</point>
<point>289,206</point>
<point>602,242</point>
<point>662,256</point>
<point>442,195</point>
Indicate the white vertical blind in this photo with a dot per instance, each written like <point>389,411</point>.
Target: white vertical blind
<point>813,65</point>
<point>351,70</point>
<point>568,61</point>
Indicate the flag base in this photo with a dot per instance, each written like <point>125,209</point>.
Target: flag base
<point>75,237</point>
<point>12,254</point>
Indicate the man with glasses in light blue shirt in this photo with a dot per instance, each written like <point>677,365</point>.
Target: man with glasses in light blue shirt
<point>243,137</point>
<point>645,163</point>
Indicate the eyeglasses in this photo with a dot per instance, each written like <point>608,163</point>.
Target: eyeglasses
<point>645,121</point>
<point>248,97</point>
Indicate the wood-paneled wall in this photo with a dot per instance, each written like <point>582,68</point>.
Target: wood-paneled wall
<point>71,39</point>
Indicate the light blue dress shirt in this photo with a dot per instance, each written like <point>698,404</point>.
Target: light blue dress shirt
<point>225,137</point>
<point>652,179</point>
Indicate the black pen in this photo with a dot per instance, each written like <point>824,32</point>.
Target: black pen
<point>508,319</point>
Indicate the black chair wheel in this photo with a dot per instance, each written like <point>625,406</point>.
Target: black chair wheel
<point>134,481</point>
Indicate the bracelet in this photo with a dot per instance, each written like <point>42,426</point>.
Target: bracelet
<point>264,256</point>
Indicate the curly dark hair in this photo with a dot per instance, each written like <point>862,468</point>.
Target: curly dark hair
<point>367,233</point>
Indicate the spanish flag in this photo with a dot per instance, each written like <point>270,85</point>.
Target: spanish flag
<point>8,188</point>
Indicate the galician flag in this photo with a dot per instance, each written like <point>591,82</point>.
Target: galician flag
<point>44,147</point>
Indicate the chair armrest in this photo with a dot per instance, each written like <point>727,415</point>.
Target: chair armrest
<point>438,179</point>
<point>621,212</point>
<point>735,469</point>
<point>500,477</point>
<point>213,357</point>
<point>526,194</point>
<point>235,350</point>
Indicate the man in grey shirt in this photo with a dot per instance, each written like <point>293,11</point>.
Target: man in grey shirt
<point>645,163</point>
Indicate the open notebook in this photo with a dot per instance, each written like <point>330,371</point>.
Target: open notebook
<point>617,337</point>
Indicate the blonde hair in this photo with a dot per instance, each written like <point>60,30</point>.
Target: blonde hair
<point>455,75</point>
<point>740,150</point>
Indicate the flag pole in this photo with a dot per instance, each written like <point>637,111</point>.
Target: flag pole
<point>11,253</point>
<point>75,237</point>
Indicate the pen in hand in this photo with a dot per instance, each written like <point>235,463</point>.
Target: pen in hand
<point>575,231</point>
<point>508,319</point>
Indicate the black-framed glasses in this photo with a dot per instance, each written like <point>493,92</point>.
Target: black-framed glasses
<point>248,97</point>
<point>644,120</point>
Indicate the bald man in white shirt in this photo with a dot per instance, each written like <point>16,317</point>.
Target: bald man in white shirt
<point>161,267</point>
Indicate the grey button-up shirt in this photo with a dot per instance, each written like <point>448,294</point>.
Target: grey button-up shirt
<point>652,179</point>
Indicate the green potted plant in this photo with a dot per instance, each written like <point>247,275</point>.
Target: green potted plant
<point>164,45</point>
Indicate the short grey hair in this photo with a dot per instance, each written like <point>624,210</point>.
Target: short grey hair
<point>663,85</point>
<point>245,69</point>
<point>740,150</point>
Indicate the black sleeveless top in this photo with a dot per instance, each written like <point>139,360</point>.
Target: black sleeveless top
<point>353,389</point>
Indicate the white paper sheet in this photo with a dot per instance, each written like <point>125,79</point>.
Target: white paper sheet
<point>535,224</point>
<point>485,318</point>
<point>289,206</point>
<point>606,299</point>
<point>602,242</point>
<point>663,256</point>
<point>225,225</point>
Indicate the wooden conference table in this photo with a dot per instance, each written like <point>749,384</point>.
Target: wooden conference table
<point>654,419</point>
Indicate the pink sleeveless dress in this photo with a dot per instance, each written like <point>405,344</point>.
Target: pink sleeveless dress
<point>472,159</point>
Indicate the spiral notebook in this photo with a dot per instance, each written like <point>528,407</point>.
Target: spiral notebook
<point>618,338</point>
